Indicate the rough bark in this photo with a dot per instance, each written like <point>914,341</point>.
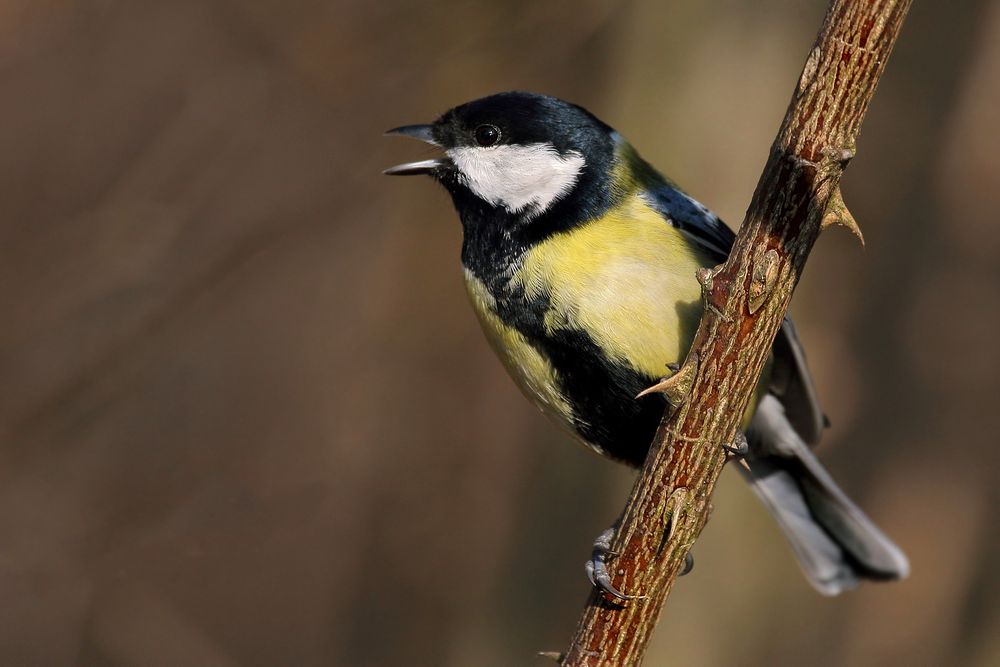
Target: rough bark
<point>745,299</point>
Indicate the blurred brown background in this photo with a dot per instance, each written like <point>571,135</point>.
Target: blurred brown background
<point>247,418</point>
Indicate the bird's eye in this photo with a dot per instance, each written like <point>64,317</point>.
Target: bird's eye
<point>487,135</point>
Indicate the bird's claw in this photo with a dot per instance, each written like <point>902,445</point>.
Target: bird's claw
<point>597,569</point>
<point>738,449</point>
<point>688,564</point>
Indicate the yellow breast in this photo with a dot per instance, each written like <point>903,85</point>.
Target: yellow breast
<point>627,279</point>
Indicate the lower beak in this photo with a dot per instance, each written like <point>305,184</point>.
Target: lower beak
<point>411,168</point>
<point>424,133</point>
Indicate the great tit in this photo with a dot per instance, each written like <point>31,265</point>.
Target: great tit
<point>580,261</point>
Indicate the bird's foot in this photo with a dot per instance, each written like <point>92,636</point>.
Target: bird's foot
<point>597,566</point>
<point>738,449</point>
<point>688,564</point>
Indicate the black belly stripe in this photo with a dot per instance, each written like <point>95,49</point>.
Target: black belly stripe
<point>603,392</point>
<point>600,390</point>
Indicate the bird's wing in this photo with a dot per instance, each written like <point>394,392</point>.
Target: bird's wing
<point>791,381</point>
<point>793,385</point>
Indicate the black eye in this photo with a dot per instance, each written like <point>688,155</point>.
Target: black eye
<point>487,135</point>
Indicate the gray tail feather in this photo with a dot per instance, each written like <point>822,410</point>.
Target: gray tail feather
<point>836,544</point>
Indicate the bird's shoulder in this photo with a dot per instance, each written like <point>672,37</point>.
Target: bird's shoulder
<point>679,209</point>
<point>691,218</point>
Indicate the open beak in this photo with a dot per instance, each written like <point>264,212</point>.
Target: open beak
<point>423,133</point>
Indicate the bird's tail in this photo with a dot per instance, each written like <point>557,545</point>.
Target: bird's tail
<point>836,544</point>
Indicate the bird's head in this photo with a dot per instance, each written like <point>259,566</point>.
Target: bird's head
<point>521,154</point>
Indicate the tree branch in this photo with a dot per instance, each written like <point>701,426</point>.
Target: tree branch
<point>745,300</point>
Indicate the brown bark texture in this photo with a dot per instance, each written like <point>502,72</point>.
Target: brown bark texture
<point>745,300</point>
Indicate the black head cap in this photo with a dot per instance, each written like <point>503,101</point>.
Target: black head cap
<point>524,118</point>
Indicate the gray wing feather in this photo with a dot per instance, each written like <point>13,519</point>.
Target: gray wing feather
<point>792,384</point>
<point>820,557</point>
<point>813,511</point>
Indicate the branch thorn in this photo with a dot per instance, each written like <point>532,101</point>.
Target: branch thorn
<point>765,275</point>
<point>676,387</point>
<point>837,214</point>
<point>705,279</point>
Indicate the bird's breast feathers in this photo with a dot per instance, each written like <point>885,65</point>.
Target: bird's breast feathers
<point>625,279</point>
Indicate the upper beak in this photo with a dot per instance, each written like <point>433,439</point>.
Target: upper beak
<point>424,133</point>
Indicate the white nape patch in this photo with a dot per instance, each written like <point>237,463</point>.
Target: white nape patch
<point>518,177</point>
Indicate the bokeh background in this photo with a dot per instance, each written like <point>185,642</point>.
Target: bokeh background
<point>247,418</point>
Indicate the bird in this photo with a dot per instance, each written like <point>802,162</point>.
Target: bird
<point>580,261</point>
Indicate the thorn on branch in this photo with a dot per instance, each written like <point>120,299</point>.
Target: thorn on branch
<point>809,70</point>
<point>678,386</point>
<point>837,214</point>
<point>676,510</point>
<point>841,155</point>
<point>801,162</point>
<point>765,275</point>
<point>706,279</point>
<point>552,655</point>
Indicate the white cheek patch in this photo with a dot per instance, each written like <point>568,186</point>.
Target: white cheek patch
<point>518,177</point>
